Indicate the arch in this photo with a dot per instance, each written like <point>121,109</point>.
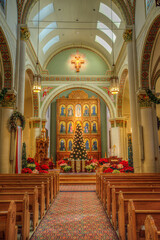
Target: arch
<point>61,89</point>
<point>6,59</point>
<point>25,5</point>
<point>75,46</point>
<point>147,52</point>
<point>120,94</point>
<point>34,95</point>
<point>155,74</point>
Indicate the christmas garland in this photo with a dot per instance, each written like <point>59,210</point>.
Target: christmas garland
<point>152,97</point>
<point>12,122</point>
<point>2,94</point>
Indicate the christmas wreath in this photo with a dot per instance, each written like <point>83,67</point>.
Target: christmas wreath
<point>152,97</point>
<point>12,122</point>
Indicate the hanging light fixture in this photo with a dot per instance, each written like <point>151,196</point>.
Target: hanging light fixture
<point>157,3</point>
<point>114,81</point>
<point>37,76</point>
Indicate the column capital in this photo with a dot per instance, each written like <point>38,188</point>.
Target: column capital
<point>35,122</point>
<point>143,99</point>
<point>118,122</point>
<point>9,99</point>
<point>127,35</point>
<point>24,33</point>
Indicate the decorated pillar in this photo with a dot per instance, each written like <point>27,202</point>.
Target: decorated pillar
<point>118,137</point>
<point>129,38</point>
<point>147,133</point>
<point>24,36</point>
<point>7,140</point>
<point>35,131</point>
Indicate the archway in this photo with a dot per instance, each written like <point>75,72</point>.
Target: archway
<point>6,59</point>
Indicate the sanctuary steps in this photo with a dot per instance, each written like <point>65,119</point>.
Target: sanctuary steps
<point>77,178</point>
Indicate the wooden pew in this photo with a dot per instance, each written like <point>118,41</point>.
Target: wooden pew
<point>125,176</point>
<point>32,178</point>
<point>139,199</point>
<point>136,220</point>
<point>137,182</point>
<point>8,228</point>
<point>127,189</point>
<point>151,225</point>
<point>28,182</point>
<point>33,202</point>
<point>25,187</point>
<point>22,214</point>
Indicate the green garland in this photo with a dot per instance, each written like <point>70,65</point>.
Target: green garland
<point>152,97</point>
<point>12,122</point>
<point>2,94</point>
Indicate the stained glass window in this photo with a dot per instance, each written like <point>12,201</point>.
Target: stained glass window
<point>3,5</point>
<point>148,5</point>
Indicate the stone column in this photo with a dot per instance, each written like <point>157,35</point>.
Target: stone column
<point>148,140</point>
<point>24,34</point>
<point>7,144</point>
<point>35,131</point>
<point>118,137</point>
<point>130,39</point>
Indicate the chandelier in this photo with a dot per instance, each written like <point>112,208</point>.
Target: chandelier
<point>114,84</point>
<point>37,77</point>
<point>114,81</point>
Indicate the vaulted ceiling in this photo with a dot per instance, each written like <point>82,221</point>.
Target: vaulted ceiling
<point>58,24</point>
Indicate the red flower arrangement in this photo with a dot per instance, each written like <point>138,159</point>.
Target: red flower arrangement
<point>43,171</point>
<point>26,170</point>
<point>38,167</point>
<point>30,160</point>
<point>103,161</point>
<point>60,162</point>
<point>108,170</point>
<point>124,163</point>
<point>44,167</point>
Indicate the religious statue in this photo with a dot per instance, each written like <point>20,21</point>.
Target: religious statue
<point>70,111</point>
<point>94,146</point>
<point>87,145</point>
<point>62,145</point>
<point>86,111</point>
<point>78,110</point>
<point>94,128</point>
<point>62,111</point>
<point>94,111</point>
<point>70,145</point>
<point>70,128</point>
<point>62,128</point>
<point>86,128</point>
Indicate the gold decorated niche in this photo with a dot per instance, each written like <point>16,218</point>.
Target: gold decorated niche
<point>74,109</point>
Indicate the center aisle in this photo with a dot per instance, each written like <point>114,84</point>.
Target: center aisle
<point>76,213</point>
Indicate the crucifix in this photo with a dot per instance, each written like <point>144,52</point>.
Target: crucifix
<point>77,61</point>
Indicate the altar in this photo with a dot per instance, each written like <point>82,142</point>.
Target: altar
<point>77,165</point>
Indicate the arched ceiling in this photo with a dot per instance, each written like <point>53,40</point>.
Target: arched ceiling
<point>98,25</point>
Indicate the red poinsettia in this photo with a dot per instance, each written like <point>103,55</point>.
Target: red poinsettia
<point>108,170</point>
<point>128,169</point>
<point>44,167</point>
<point>103,161</point>
<point>124,163</point>
<point>38,167</point>
<point>114,166</point>
<point>30,160</point>
<point>26,170</point>
<point>43,171</point>
<point>61,161</point>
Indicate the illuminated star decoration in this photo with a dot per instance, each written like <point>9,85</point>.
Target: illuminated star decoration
<point>77,61</point>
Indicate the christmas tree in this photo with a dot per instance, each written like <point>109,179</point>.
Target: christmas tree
<point>24,158</point>
<point>78,149</point>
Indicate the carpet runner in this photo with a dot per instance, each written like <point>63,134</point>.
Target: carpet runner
<point>75,214</point>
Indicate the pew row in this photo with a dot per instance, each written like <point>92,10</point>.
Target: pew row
<point>136,220</point>
<point>141,200</point>
<point>33,202</point>
<point>22,214</point>
<point>8,228</point>
<point>151,225</point>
